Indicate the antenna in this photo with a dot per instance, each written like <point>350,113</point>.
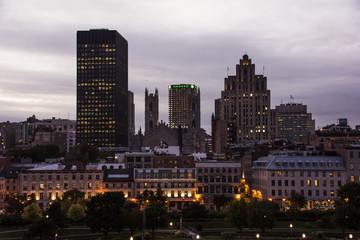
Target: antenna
<point>227,71</point>
<point>263,70</point>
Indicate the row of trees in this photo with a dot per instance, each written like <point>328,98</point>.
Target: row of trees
<point>110,212</point>
<point>253,214</point>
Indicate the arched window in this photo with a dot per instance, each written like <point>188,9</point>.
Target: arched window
<point>151,106</point>
<point>151,124</point>
<point>193,106</point>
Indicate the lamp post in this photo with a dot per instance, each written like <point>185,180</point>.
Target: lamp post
<point>171,225</point>
<point>351,236</point>
<point>303,235</point>
<point>257,235</point>
<point>291,226</point>
<point>198,237</point>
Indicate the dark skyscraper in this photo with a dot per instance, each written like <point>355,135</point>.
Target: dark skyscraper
<point>151,110</point>
<point>184,106</point>
<point>102,88</point>
<point>293,121</point>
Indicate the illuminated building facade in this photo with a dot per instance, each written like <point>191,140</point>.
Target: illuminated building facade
<point>293,122</point>
<point>218,178</point>
<point>245,101</point>
<point>315,177</point>
<point>102,88</point>
<point>51,181</point>
<point>184,106</point>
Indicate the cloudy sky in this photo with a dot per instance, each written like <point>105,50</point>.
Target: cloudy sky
<point>310,49</point>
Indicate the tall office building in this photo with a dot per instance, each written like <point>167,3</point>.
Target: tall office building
<point>102,88</point>
<point>245,102</point>
<point>184,106</point>
<point>292,121</point>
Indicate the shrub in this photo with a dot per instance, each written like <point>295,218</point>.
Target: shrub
<point>138,236</point>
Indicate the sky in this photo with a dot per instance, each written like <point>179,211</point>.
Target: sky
<point>307,49</point>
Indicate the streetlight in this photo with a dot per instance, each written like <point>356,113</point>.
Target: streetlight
<point>257,235</point>
<point>350,236</point>
<point>303,235</point>
<point>291,226</point>
<point>131,238</point>
<point>198,237</point>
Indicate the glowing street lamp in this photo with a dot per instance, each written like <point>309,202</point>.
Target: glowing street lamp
<point>198,237</point>
<point>350,236</point>
<point>257,235</point>
<point>303,235</point>
<point>131,238</point>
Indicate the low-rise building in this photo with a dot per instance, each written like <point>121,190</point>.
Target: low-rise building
<point>218,178</point>
<point>49,182</point>
<point>315,177</point>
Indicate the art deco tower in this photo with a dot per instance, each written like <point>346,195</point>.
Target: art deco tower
<point>245,103</point>
<point>184,106</point>
<point>102,88</point>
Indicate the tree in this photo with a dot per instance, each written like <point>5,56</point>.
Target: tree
<point>55,214</point>
<point>72,197</point>
<point>297,200</point>
<point>44,229</point>
<point>155,208</point>
<point>220,201</point>
<point>194,210</point>
<point>262,214</point>
<point>237,214</point>
<point>16,204</point>
<point>84,153</point>
<point>32,213</point>
<point>347,207</point>
<point>76,212</point>
<point>134,216</point>
<point>105,213</point>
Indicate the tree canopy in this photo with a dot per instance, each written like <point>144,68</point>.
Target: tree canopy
<point>347,207</point>
<point>237,214</point>
<point>105,213</point>
<point>32,213</point>
<point>194,210</point>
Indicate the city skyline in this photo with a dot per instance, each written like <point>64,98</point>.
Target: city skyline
<point>311,54</point>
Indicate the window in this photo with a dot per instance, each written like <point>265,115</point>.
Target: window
<point>89,185</point>
<point>301,173</point>
<point>279,183</point>
<point>316,183</point>
<point>339,183</point>
<point>309,173</point>
<point>317,193</point>
<point>331,183</point>
<point>309,193</point>
<point>272,182</point>
<point>41,186</point>
<point>309,183</point>
<point>293,183</point>
<point>279,173</point>
<point>324,183</point>
<point>301,183</point>
<point>273,192</point>
<point>279,193</point>
<point>50,177</point>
